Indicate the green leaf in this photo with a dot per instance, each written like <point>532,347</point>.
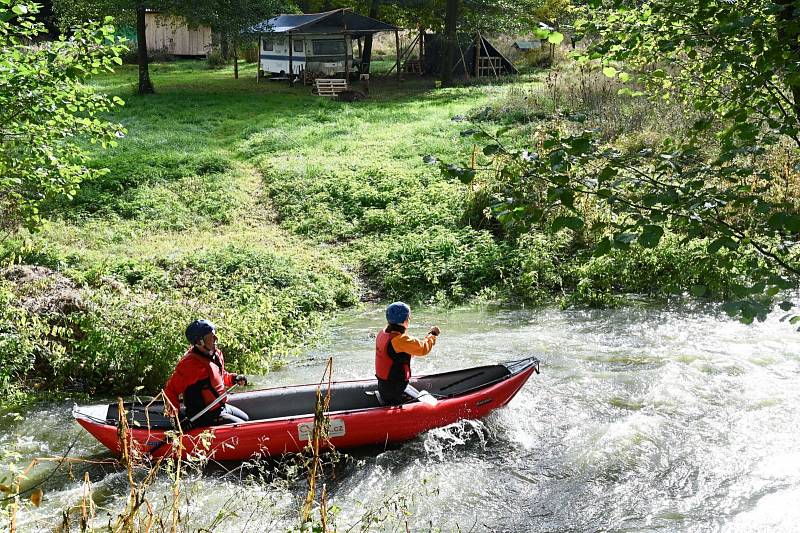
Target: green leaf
<point>697,290</point>
<point>555,38</point>
<point>651,236</point>
<point>625,238</point>
<point>785,306</point>
<point>573,223</point>
<point>491,149</point>
<point>609,72</point>
<point>726,242</point>
<point>603,247</point>
<point>19,9</point>
<point>732,308</point>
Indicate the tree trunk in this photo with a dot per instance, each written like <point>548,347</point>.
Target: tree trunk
<point>223,45</point>
<point>450,23</point>
<point>235,59</point>
<point>366,56</point>
<point>145,85</point>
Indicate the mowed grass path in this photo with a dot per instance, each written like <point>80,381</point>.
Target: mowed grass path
<point>191,171</point>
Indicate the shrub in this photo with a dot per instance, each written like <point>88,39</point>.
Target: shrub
<point>437,263</point>
<point>25,338</point>
<point>133,341</point>
<point>215,60</point>
<point>539,261</point>
<point>673,267</point>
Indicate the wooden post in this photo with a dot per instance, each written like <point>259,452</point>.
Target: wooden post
<point>291,64</point>
<point>346,61</point>
<point>478,55</point>
<point>397,45</point>
<point>358,42</point>
<point>258,60</point>
<point>422,48</point>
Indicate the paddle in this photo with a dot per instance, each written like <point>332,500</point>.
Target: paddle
<point>214,403</point>
<point>423,396</point>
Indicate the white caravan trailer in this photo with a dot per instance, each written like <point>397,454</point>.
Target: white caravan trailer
<point>321,43</point>
<point>323,54</point>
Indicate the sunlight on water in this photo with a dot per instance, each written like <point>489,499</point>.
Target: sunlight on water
<point>643,418</point>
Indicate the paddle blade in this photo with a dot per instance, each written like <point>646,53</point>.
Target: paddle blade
<point>426,398</point>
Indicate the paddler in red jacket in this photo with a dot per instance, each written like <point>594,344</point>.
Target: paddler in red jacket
<point>394,349</point>
<point>201,378</point>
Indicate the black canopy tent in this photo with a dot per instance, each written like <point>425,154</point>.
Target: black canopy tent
<point>475,56</point>
<point>342,22</point>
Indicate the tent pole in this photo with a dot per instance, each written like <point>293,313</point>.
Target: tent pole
<point>291,65</point>
<point>462,60</point>
<point>406,53</point>
<point>496,75</point>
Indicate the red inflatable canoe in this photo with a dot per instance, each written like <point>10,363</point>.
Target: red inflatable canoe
<point>282,419</point>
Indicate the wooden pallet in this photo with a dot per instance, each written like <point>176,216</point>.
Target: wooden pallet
<point>330,87</point>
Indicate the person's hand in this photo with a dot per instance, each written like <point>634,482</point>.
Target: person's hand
<point>434,331</point>
<point>240,379</point>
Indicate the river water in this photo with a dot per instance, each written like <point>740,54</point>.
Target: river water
<point>643,418</point>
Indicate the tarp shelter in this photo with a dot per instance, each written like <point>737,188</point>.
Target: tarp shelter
<point>320,42</point>
<point>469,60</point>
<point>526,46</point>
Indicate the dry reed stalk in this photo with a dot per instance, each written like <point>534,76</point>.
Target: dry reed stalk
<point>319,433</point>
<point>87,505</point>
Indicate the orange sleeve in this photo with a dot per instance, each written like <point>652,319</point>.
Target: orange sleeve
<point>414,347</point>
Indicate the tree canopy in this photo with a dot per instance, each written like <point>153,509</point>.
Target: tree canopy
<point>47,111</point>
<point>736,66</point>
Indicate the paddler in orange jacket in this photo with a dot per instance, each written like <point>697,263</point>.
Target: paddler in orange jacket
<point>394,349</point>
<point>201,378</point>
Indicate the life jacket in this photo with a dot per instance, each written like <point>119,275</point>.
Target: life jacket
<point>390,365</point>
<point>201,380</point>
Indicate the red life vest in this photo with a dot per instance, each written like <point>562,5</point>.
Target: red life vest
<point>201,380</point>
<point>391,365</point>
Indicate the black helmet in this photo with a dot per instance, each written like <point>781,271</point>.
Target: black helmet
<point>197,330</point>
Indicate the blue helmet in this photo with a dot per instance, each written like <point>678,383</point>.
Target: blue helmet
<point>197,330</point>
<point>397,313</point>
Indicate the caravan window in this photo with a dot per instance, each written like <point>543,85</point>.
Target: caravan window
<point>328,47</point>
<point>298,45</point>
<point>267,46</point>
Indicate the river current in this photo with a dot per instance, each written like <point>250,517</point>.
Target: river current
<point>669,418</point>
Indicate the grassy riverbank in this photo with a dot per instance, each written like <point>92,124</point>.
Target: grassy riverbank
<point>219,203</point>
<point>267,209</point>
